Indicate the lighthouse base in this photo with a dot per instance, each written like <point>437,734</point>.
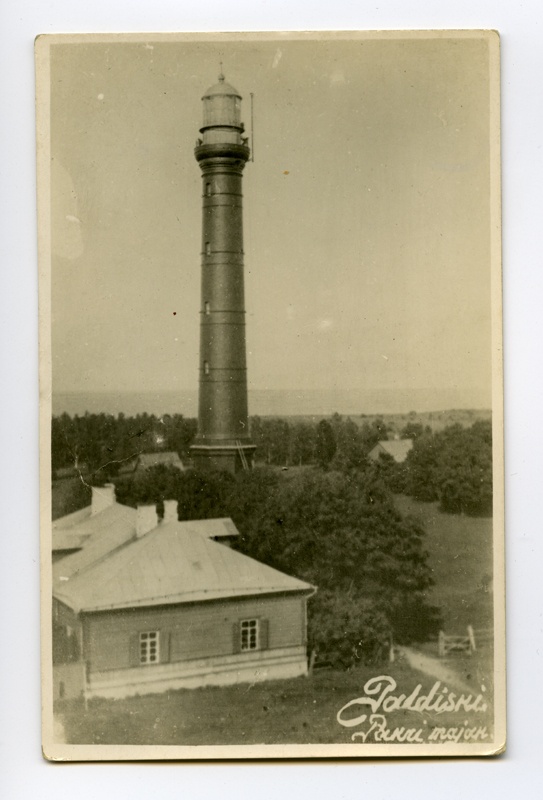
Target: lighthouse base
<point>227,457</point>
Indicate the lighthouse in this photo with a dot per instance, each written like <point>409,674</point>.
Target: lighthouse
<point>223,439</point>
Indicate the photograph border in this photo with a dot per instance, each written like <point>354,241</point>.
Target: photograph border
<point>58,752</point>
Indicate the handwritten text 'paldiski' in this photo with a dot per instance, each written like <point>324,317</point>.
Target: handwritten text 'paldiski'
<point>379,696</point>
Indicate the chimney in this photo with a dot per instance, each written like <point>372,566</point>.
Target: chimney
<point>102,497</point>
<point>146,520</point>
<point>170,511</point>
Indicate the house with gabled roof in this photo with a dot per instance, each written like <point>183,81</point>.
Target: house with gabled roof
<point>398,449</point>
<point>144,461</point>
<point>172,607</point>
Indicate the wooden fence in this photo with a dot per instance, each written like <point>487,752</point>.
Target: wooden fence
<point>456,644</point>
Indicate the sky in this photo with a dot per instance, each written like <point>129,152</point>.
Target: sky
<point>366,214</point>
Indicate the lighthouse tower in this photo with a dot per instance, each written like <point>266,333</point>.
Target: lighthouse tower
<point>223,438</point>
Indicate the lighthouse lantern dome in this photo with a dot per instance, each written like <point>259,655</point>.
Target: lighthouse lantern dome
<point>222,106</point>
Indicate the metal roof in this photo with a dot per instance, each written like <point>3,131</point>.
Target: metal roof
<point>100,534</point>
<point>169,565</point>
<point>397,448</point>
<point>221,88</point>
<point>147,460</point>
<point>69,520</point>
<point>66,540</point>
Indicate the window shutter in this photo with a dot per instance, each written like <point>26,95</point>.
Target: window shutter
<point>237,637</point>
<point>165,637</point>
<point>134,650</point>
<point>264,628</point>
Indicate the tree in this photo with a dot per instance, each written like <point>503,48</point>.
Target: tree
<point>394,474</point>
<point>465,470</point>
<point>64,442</point>
<point>257,435</point>
<point>338,531</point>
<point>350,451</point>
<point>151,487</point>
<point>413,430</point>
<point>178,433</point>
<point>204,494</point>
<point>453,466</point>
<point>302,443</point>
<point>272,439</point>
<point>325,444</point>
<point>277,436</point>
<point>346,629</point>
<point>343,535</point>
<point>422,467</point>
<point>102,443</point>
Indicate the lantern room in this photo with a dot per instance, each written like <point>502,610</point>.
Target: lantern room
<point>222,114</point>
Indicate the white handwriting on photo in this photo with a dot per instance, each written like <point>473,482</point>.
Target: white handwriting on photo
<point>379,697</point>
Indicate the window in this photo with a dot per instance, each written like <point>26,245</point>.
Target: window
<point>208,189</point>
<point>208,248</point>
<point>149,647</point>
<point>207,307</point>
<point>249,634</point>
<point>206,367</point>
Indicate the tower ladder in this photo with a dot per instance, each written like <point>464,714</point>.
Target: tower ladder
<point>242,455</point>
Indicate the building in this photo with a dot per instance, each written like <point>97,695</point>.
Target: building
<point>145,461</point>
<point>223,439</point>
<point>396,448</point>
<point>171,608</point>
<point>104,524</point>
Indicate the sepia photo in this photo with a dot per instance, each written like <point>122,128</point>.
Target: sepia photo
<point>271,397</point>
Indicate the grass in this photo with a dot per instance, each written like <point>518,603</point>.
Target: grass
<point>295,711</point>
<point>460,550</point>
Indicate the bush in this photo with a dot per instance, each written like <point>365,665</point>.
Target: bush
<point>346,629</point>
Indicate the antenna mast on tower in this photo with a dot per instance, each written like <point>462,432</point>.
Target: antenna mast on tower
<point>252,131</point>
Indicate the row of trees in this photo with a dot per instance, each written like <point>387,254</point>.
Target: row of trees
<point>340,533</point>
<point>103,442</point>
<point>333,442</point>
<point>453,466</point>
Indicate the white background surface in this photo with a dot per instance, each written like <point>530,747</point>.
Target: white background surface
<point>23,773</point>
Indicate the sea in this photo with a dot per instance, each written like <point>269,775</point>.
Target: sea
<point>273,402</point>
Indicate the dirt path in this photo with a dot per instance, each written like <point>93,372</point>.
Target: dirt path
<point>435,668</point>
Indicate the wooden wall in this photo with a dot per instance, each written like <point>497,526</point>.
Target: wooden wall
<point>66,626</point>
<point>190,631</point>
